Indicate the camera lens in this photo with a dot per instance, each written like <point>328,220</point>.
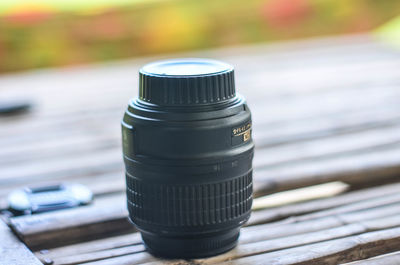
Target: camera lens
<point>188,157</point>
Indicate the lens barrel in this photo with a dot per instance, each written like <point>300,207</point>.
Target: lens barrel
<point>188,155</point>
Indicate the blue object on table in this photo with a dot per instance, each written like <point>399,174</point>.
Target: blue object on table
<point>48,198</point>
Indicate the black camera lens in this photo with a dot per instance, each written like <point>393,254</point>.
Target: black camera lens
<point>188,156</point>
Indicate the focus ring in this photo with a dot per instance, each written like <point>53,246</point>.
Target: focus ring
<point>189,205</point>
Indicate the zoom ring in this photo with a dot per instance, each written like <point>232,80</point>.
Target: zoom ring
<point>189,205</point>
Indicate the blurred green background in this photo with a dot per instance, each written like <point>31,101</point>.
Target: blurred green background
<point>47,33</point>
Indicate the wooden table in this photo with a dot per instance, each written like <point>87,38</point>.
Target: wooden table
<point>324,110</point>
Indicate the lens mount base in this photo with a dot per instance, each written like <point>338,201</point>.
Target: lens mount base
<point>191,247</point>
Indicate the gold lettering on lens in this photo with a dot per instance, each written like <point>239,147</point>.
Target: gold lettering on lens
<point>244,130</point>
<point>246,135</point>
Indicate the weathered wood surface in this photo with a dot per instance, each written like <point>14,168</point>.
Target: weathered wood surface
<point>386,259</point>
<point>323,110</point>
<point>107,214</point>
<point>12,250</point>
<point>349,223</point>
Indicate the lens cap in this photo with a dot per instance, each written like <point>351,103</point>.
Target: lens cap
<point>186,82</point>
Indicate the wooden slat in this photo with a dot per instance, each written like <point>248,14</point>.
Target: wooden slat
<point>386,259</point>
<point>53,147</point>
<point>333,246</point>
<point>287,237</point>
<point>281,243</point>
<point>108,160</point>
<point>99,255</point>
<point>279,213</point>
<point>12,251</point>
<point>91,246</point>
<point>324,126</point>
<point>352,143</point>
<point>107,216</point>
<point>307,223</point>
<point>354,169</point>
<point>332,252</point>
<point>132,259</point>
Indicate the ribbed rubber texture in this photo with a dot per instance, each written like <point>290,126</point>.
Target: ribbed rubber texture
<point>186,90</point>
<point>189,205</point>
<point>191,247</point>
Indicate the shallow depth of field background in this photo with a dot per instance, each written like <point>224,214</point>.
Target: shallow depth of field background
<point>48,33</point>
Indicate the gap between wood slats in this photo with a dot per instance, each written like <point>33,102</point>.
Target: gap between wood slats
<point>36,151</point>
